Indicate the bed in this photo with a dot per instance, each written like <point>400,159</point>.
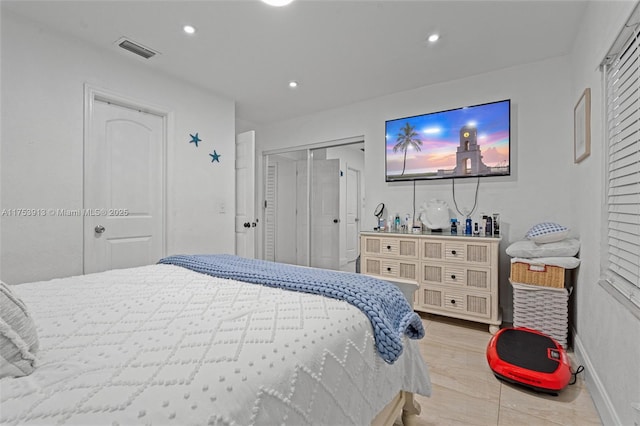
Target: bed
<point>166,345</point>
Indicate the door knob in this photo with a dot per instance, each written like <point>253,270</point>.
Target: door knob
<point>99,229</point>
<point>247,225</point>
<point>336,220</point>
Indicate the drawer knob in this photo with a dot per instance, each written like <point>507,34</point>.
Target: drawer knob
<point>453,301</point>
<point>453,252</point>
<point>453,277</point>
<point>388,247</point>
<point>389,269</point>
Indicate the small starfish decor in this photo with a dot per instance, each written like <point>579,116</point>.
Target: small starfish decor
<point>215,156</point>
<point>195,139</point>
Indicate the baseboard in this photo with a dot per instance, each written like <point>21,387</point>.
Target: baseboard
<point>598,393</point>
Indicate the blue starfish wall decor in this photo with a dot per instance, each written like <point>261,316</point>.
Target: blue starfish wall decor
<point>215,156</point>
<point>195,139</point>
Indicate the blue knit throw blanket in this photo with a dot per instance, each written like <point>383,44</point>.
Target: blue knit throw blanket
<point>382,302</point>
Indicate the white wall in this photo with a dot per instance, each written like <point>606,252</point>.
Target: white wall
<point>608,334</point>
<point>542,152</point>
<point>43,74</point>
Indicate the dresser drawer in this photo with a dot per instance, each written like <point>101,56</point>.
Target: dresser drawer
<point>463,252</point>
<point>468,304</point>
<point>454,301</point>
<point>392,247</point>
<point>455,275</point>
<point>476,278</point>
<point>462,303</point>
<point>455,251</point>
<point>389,268</point>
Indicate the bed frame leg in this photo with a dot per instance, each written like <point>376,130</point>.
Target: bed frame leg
<point>410,411</point>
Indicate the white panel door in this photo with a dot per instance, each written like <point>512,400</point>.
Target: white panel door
<point>124,188</point>
<point>352,213</point>
<point>286,199</point>
<point>270,212</point>
<point>302,216</point>
<point>246,221</point>
<point>325,214</point>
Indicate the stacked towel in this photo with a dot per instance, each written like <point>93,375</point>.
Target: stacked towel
<point>546,244</point>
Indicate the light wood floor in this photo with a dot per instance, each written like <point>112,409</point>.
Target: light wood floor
<point>465,391</point>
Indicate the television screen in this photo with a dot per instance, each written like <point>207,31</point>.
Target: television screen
<point>464,142</point>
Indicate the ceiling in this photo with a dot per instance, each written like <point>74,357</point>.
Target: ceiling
<point>340,51</point>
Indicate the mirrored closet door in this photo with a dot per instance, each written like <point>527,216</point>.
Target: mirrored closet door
<point>312,206</point>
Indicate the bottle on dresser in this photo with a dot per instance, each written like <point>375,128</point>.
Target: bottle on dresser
<point>496,224</point>
<point>408,222</point>
<point>488,227</point>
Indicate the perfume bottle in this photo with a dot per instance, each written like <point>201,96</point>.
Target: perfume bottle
<point>467,226</point>
<point>454,226</point>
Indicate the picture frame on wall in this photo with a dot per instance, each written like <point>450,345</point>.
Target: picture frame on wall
<point>582,127</point>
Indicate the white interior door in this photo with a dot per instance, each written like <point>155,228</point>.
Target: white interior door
<point>124,188</point>
<point>325,214</point>
<point>246,222</point>
<point>302,216</point>
<point>352,202</point>
<point>286,199</point>
<point>270,211</point>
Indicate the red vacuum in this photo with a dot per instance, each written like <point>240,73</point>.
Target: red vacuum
<point>529,358</point>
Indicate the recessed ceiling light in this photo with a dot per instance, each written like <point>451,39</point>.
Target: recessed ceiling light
<point>433,38</point>
<point>293,84</point>
<point>189,29</point>
<point>277,3</point>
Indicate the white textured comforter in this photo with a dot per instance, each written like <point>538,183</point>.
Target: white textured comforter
<point>163,345</point>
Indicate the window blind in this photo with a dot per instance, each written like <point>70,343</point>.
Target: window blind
<point>622,79</point>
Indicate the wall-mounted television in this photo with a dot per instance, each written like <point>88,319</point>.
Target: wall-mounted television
<point>463,142</point>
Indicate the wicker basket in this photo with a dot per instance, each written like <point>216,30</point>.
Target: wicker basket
<point>542,275</point>
<point>542,309</point>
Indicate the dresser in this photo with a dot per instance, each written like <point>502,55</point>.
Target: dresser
<point>456,275</point>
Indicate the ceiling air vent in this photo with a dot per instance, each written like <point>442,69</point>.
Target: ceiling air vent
<point>136,48</point>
